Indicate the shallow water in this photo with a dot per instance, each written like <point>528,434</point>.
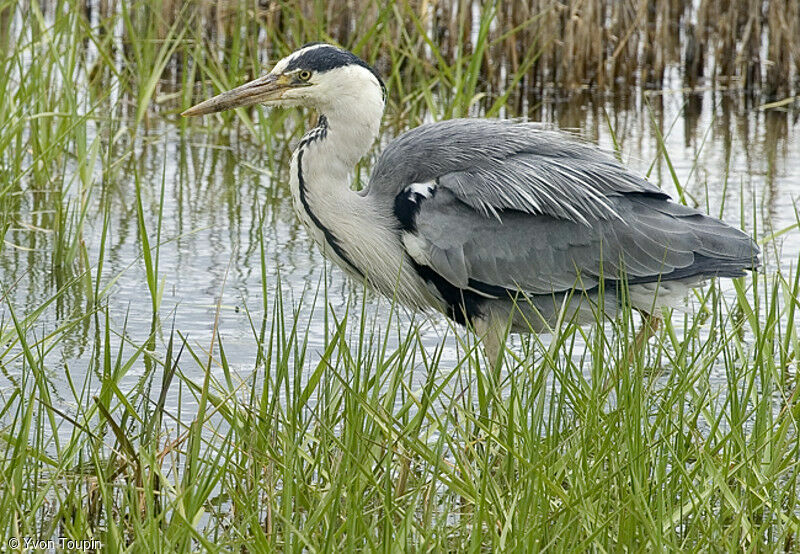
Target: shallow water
<point>220,199</point>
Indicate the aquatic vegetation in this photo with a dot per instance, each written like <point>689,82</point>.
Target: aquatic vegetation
<point>171,380</point>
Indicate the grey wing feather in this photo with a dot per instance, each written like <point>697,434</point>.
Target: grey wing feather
<point>494,165</point>
<point>543,254</point>
<point>517,207</point>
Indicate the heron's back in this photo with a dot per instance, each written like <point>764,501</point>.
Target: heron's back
<point>491,209</point>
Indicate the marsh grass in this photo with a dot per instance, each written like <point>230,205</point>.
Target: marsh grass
<point>365,445</point>
<point>370,442</point>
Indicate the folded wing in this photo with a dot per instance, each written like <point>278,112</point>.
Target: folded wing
<point>493,206</point>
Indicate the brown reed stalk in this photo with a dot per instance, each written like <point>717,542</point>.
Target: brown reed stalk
<point>598,44</point>
<point>780,47</point>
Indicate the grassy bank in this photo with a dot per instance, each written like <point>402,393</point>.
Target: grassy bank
<point>369,442</point>
<point>355,448</point>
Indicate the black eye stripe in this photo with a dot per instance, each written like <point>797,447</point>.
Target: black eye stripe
<point>325,58</point>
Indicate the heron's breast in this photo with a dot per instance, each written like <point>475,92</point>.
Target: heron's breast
<point>310,215</point>
<point>356,235</point>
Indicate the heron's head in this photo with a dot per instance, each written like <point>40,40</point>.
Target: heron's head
<point>320,76</point>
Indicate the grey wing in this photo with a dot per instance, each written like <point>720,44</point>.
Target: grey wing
<point>652,240</point>
<point>491,205</point>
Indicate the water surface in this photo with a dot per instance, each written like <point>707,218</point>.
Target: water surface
<point>226,203</point>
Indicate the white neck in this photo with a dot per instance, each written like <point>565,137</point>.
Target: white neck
<point>349,227</point>
<point>330,151</point>
<point>323,163</point>
<point>353,126</point>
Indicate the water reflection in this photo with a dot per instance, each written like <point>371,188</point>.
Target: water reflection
<point>226,205</point>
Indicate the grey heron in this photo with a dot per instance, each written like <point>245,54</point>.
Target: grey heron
<point>494,223</point>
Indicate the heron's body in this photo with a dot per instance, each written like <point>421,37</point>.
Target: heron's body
<point>486,221</point>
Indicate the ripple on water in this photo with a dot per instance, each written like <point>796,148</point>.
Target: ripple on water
<point>212,236</point>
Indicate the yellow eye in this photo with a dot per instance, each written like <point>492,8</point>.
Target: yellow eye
<point>304,75</point>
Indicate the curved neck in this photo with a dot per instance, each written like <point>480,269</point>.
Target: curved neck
<point>325,158</point>
<point>357,232</point>
<point>320,176</point>
<point>346,130</point>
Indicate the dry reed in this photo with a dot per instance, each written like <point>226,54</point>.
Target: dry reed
<point>752,45</point>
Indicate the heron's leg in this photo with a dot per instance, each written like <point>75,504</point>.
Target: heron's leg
<point>650,325</point>
<point>492,333</point>
<point>649,328</point>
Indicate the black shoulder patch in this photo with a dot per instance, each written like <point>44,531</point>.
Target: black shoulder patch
<point>407,204</point>
<point>462,306</point>
<point>329,57</point>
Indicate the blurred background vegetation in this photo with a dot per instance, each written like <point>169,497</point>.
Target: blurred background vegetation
<point>514,51</point>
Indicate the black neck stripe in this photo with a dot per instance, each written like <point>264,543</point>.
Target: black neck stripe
<point>319,133</point>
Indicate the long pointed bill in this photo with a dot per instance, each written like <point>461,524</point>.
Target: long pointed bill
<point>266,88</point>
